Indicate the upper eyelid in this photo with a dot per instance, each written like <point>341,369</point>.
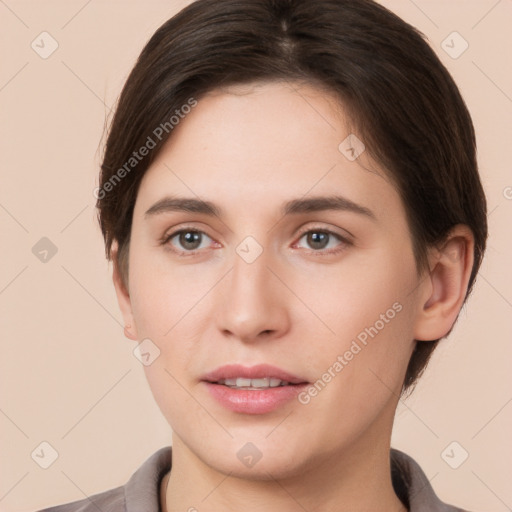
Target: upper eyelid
<point>174,231</point>
<point>341,238</point>
<point>329,230</point>
<point>166,239</point>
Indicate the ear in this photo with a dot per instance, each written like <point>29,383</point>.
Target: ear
<point>123,299</point>
<point>445,284</point>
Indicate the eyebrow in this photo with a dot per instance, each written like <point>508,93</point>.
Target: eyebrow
<point>295,206</point>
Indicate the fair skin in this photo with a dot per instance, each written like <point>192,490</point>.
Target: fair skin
<point>297,306</point>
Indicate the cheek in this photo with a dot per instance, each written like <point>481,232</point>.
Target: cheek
<point>164,296</point>
<point>174,397</point>
<point>359,295</point>
<point>168,305</point>
<point>361,351</point>
<point>358,371</point>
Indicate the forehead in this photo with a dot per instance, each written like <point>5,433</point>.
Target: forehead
<point>256,143</point>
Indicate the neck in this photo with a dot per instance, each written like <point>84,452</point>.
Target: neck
<point>356,479</point>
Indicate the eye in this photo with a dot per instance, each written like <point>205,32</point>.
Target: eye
<point>324,241</point>
<point>187,240</point>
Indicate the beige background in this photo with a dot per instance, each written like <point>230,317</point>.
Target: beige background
<point>68,375</point>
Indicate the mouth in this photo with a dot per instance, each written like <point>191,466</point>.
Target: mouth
<point>253,390</point>
<point>260,383</point>
<point>261,376</point>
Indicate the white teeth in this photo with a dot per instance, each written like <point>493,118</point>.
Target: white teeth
<point>242,383</point>
<point>275,382</point>
<point>262,383</point>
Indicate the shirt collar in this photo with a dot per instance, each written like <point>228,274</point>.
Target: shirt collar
<point>413,487</point>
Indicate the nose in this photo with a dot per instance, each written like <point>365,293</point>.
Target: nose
<point>252,302</point>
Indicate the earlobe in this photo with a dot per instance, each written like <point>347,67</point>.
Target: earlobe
<point>128,333</point>
<point>447,282</point>
<point>123,299</point>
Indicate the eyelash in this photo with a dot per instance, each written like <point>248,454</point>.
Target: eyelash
<point>320,252</point>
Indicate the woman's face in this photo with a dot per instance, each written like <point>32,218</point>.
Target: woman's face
<point>326,294</point>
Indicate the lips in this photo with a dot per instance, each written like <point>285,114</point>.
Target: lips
<point>253,390</point>
<point>260,371</point>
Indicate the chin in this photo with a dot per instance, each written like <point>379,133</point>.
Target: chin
<point>251,456</point>
<point>269,467</point>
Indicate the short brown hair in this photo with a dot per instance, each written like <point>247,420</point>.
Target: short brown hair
<point>402,100</point>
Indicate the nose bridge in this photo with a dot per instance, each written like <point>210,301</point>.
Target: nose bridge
<point>251,302</point>
<point>248,277</point>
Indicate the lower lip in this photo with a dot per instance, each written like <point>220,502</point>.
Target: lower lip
<point>254,401</point>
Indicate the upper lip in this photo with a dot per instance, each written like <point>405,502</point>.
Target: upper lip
<point>259,371</point>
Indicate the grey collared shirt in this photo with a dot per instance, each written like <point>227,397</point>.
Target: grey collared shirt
<point>142,491</point>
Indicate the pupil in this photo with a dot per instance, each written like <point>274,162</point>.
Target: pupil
<point>318,240</point>
<point>190,239</point>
